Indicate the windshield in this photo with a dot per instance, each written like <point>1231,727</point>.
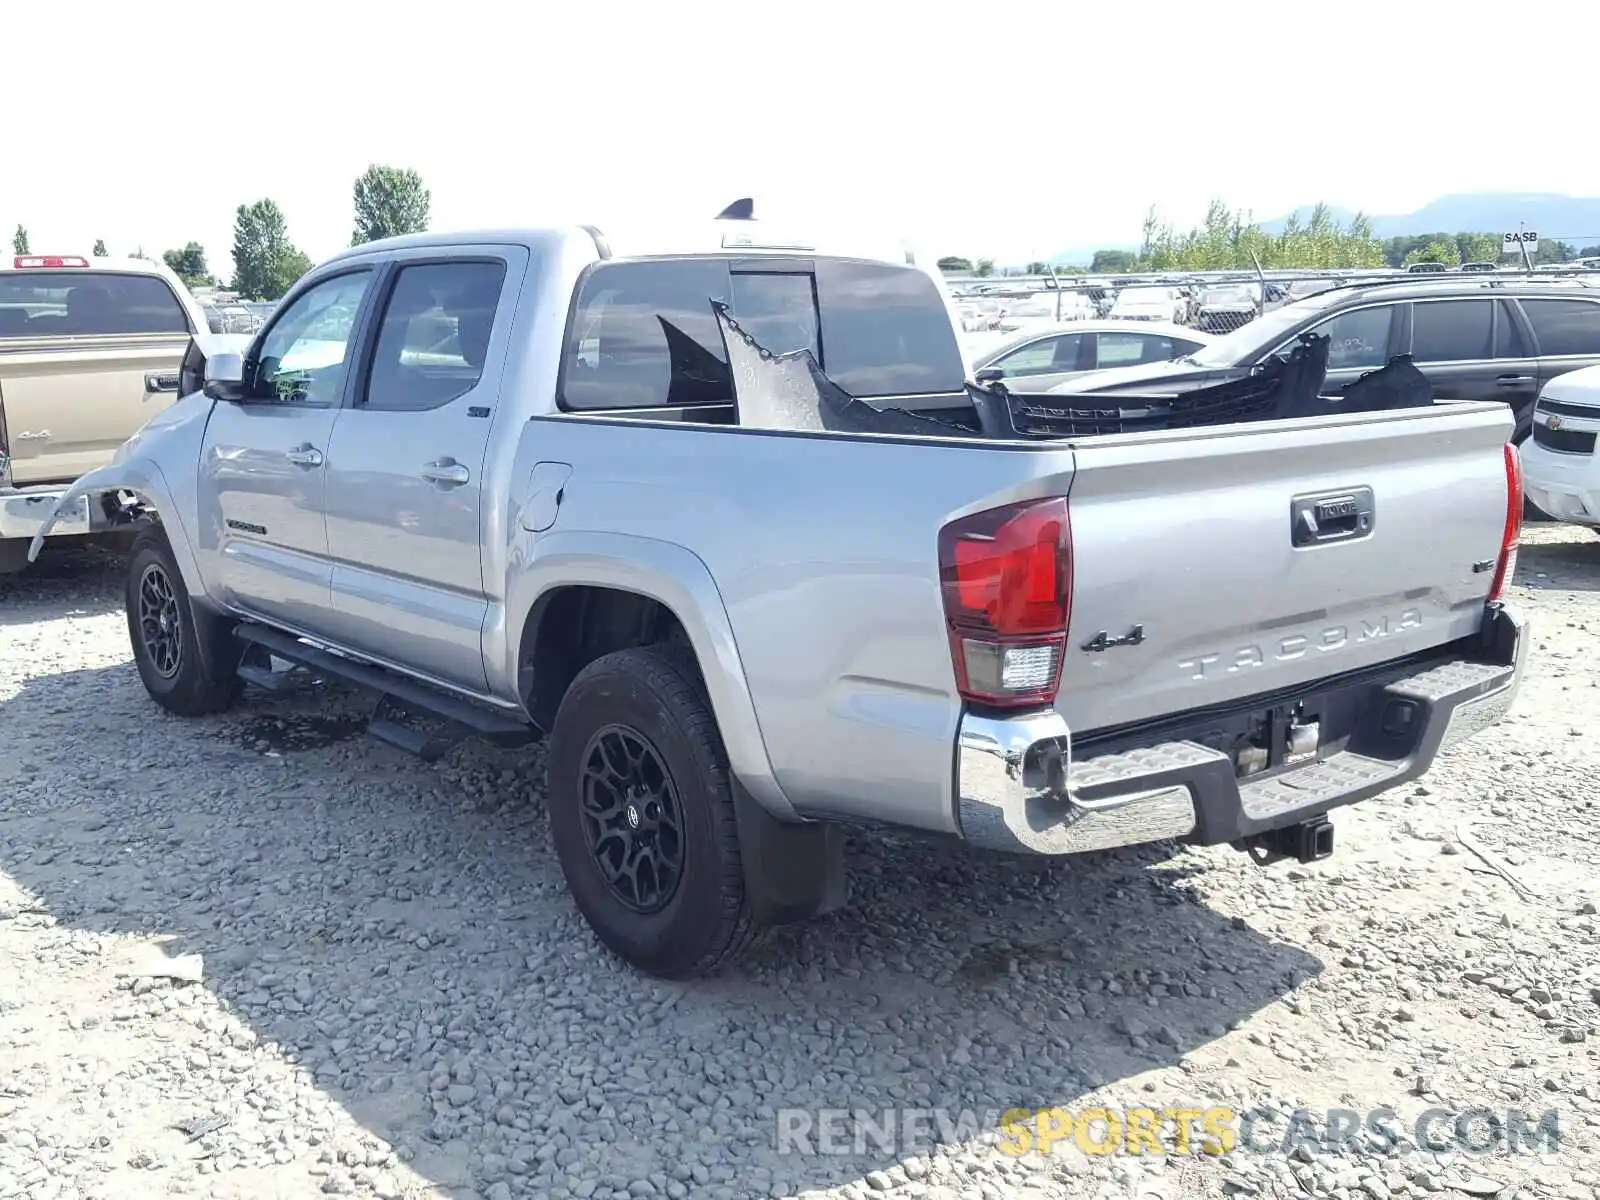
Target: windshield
<point>1248,342</point>
<point>1238,293</point>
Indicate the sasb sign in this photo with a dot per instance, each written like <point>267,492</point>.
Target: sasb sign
<point>1512,243</point>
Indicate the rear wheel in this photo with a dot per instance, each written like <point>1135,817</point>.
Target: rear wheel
<point>641,814</point>
<point>166,646</point>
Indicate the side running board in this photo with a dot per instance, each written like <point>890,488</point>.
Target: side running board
<point>399,699</point>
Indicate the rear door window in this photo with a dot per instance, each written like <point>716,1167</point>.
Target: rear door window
<point>434,336</point>
<point>1451,330</point>
<point>84,303</point>
<point>1043,357</point>
<point>1131,349</point>
<point>1565,326</point>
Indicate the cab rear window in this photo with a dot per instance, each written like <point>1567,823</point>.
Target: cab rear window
<point>644,335</point>
<point>84,303</point>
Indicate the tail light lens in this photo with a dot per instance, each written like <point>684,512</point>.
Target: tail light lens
<point>1507,566</point>
<point>1006,575</point>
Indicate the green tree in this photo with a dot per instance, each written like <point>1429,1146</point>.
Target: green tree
<point>1478,247</point>
<point>19,240</point>
<point>985,266</point>
<point>1440,250</point>
<point>1037,268</point>
<point>951,264</point>
<point>100,250</point>
<point>189,264</point>
<point>1112,262</point>
<point>1589,252</point>
<point>265,262</point>
<point>1232,240</point>
<point>1553,251</point>
<point>389,201</point>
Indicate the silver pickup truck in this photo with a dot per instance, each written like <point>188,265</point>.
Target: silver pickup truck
<point>520,484</point>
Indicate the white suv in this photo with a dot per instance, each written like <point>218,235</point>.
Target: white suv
<point>1560,470</point>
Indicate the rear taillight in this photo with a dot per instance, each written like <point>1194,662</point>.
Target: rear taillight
<point>1006,575</point>
<point>1506,567</point>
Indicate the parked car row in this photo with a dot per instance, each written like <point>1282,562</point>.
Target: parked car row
<point>1474,339</point>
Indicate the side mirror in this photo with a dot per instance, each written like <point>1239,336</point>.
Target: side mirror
<point>990,374</point>
<point>225,376</point>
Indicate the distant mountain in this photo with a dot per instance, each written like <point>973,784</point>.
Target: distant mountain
<point>1574,219</point>
<point>1083,255</point>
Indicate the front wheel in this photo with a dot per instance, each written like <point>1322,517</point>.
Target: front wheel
<point>642,817</point>
<point>166,647</point>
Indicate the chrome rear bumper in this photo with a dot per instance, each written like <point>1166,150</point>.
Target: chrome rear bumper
<point>24,511</point>
<point>1012,781</point>
<point>1018,788</point>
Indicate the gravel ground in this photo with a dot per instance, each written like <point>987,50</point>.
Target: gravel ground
<point>396,997</point>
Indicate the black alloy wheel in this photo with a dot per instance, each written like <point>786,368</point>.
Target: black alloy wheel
<point>632,818</point>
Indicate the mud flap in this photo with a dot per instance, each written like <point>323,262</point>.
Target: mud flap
<point>791,872</point>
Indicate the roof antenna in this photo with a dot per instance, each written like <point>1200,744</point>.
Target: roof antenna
<point>740,210</point>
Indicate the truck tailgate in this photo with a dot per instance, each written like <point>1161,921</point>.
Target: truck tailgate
<point>1224,563</point>
<point>69,403</point>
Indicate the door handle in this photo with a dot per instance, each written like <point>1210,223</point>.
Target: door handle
<point>304,456</point>
<point>1514,380</point>
<point>161,381</point>
<point>446,472</point>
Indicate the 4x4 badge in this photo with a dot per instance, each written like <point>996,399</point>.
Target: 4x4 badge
<point>1104,641</point>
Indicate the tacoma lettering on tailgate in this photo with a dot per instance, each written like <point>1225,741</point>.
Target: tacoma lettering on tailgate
<point>1297,645</point>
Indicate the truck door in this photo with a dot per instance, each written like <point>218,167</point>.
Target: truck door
<point>1475,349</point>
<point>263,465</point>
<point>407,464</point>
<point>1568,337</point>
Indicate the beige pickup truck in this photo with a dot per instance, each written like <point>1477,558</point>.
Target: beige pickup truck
<point>90,349</point>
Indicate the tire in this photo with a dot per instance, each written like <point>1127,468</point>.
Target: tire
<point>692,916</point>
<point>165,643</point>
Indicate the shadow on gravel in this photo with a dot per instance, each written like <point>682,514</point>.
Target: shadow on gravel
<point>1568,565</point>
<point>404,934</point>
<point>66,581</point>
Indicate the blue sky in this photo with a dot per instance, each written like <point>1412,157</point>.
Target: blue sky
<point>1010,130</point>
